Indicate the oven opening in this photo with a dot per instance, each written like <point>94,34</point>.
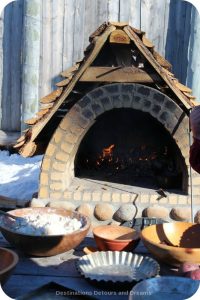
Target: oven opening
<point>131,147</point>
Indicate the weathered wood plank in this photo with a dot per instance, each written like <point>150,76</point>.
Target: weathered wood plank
<point>45,50</point>
<point>16,69</point>
<point>124,13</point>
<point>155,27</point>
<point>112,74</point>
<point>57,39</point>
<point>78,34</point>
<point>31,60</point>
<point>6,91</point>
<point>135,14</point>
<point>101,11</point>
<point>92,25</point>
<point>68,34</point>
<point>113,10</point>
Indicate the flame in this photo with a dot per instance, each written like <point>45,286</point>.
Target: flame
<point>108,151</point>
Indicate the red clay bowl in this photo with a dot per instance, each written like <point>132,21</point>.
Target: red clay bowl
<point>8,261</point>
<point>115,238</point>
<point>46,245</point>
<point>173,243</point>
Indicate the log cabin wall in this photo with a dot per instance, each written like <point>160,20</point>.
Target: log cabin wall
<point>39,39</point>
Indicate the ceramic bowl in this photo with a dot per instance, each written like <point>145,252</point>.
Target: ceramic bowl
<point>115,238</point>
<point>8,261</point>
<point>45,245</point>
<point>173,243</point>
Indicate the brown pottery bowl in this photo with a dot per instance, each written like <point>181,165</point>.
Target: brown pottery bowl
<point>8,261</point>
<point>115,238</point>
<point>173,243</point>
<point>46,245</point>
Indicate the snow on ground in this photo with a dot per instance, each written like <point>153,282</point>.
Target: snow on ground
<point>19,176</point>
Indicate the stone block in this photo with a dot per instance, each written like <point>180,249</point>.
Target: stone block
<point>106,197</point>
<point>56,186</point>
<point>87,196</point>
<point>67,147</point>
<point>182,199</point>
<point>125,197</point>
<point>62,204</point>
<point>55,195</point>
<point>46,164</point>
<point>116,197</point>
<point>96,196</point>
<point>181,214</point>
<point>58,166</point>
<point>44,192</point>
<point>65,123</point>
<point>71,138</point>
<point>44,178</point>
<point>103,211</point>
<point>97,109</point>
<point>125,212</point>
<point>55,176</point>
<point>85,209</point>
<point>77,196</point>
<point>144,198</point>
<point>84,102</point>
<point>37,203</point>
<point>50,150</point>
<point>62,156</point>
<point>197,217</point>
<point>156,211</point>
<point>153,198</point>
<point>68,195</point>
<point>58,136</point>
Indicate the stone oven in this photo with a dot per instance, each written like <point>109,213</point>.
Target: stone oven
<point>116,132</point>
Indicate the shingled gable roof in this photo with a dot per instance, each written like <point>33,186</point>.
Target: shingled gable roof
<point>112,32</point>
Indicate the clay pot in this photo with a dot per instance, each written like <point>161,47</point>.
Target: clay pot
<point>115,238</point>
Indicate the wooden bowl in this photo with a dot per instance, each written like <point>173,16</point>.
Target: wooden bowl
<point>46,245</point>
<point>173,243</point>
<point>115,238</point>
<point>8,261</point>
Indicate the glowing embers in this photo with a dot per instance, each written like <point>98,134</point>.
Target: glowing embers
<point>144,160</point>
<point>130,147</point>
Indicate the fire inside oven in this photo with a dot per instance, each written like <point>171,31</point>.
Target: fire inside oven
<point>130,147</point>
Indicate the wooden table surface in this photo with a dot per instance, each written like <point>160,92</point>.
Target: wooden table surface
<point>33,272</point>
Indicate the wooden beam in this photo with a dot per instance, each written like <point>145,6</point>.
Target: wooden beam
<point>157,67</point>
<point>119,37</point>
<point>118,74</point>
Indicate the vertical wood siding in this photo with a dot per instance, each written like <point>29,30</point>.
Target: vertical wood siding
<point>39,39</point>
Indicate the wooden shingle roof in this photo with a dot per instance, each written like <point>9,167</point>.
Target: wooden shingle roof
<point>147,67</point>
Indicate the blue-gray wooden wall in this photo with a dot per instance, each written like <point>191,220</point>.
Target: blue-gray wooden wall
<point>40,38</point>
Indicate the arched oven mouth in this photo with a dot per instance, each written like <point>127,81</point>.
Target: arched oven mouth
<point>130,147</point>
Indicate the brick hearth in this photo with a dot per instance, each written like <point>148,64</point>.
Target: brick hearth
<point>57,179</point>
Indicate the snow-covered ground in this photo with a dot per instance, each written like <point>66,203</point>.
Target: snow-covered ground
<point>19,176</point>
